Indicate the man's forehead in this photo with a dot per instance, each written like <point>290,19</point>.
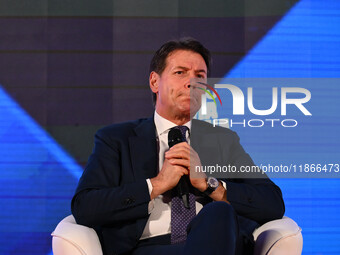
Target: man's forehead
<point>179,58</point>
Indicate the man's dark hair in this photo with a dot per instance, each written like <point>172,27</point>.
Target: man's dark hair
<point>158,61</point>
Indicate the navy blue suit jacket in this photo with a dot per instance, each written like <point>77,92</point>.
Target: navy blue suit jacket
<point>112,195</point>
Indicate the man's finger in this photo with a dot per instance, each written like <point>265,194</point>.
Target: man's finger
<point>180,162</point>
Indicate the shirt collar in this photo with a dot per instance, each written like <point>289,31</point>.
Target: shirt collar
<point>163,125</point>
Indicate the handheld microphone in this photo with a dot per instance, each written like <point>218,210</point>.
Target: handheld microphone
<point>175,137</point>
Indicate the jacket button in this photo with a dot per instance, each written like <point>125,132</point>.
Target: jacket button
<point>128,201</point>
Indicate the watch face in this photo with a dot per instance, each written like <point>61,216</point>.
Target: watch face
<point>213,182</point>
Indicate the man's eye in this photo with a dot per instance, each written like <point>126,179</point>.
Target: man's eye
<point>179,72</point>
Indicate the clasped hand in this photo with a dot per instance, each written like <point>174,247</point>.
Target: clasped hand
<point>181,159</point>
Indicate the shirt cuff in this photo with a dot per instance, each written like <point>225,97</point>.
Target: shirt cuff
<point>149,186</point>
<point>223,184</point>
<point>152,202</point>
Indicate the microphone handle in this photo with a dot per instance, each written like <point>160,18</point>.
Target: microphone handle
<point>183,190</point>
<point>174,137</point>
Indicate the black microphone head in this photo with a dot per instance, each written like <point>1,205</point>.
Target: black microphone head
<point>175,137</point>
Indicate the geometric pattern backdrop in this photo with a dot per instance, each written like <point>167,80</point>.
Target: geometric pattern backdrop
<point>70,67</point>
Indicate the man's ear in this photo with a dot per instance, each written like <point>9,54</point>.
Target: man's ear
<point>153,81</point>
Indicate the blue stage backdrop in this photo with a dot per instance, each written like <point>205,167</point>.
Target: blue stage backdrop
<point>303,44</point>
<point>53,83</point>
<point>37,181</point>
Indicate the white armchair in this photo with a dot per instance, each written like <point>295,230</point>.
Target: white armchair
<point>70,238</point>
<point>278,237</point>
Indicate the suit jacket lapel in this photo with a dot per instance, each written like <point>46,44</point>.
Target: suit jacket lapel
<point>143,149</point>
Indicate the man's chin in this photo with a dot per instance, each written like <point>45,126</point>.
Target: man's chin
<point>189,113</point>
<point>189,108</point>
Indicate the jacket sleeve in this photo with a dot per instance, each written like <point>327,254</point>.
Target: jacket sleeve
<point>101,198</point>
<point>256,198</point>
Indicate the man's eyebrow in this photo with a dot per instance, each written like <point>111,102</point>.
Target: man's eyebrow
<point>181,67</point>
<point>185,68</point>
<point>200,71</point>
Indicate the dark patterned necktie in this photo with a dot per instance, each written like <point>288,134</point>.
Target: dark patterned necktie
<point>181,216</point>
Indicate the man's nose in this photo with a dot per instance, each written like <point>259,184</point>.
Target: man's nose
<point>191,77</point>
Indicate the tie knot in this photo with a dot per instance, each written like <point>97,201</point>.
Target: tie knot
<point>183,130</point>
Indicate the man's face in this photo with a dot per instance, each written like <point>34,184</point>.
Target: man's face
<point>174,98</point>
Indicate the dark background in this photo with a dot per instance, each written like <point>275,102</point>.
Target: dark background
<point>75,66</point>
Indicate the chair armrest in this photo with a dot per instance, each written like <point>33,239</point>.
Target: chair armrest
<point>70,238</point>
<point>278,237</point>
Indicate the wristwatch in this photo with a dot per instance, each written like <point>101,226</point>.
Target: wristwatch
<point>213,183</point>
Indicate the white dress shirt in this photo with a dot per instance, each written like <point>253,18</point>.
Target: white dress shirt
<point>160,212</point>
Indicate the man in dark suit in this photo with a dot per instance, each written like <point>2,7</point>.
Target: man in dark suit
<point>129,190</point>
